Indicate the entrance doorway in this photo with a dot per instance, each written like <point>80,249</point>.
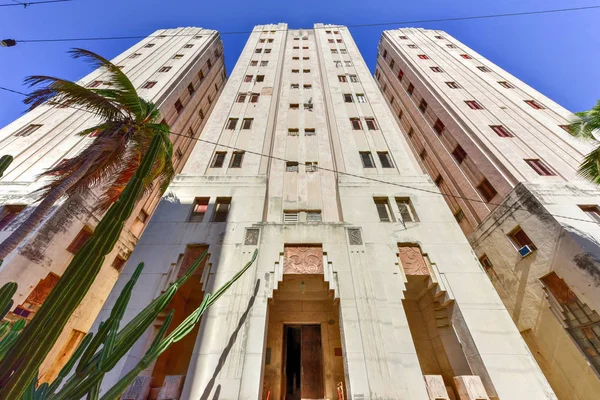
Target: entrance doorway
<point>303,366</point>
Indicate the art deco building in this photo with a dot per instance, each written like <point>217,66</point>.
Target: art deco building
<point>364,287</point>
<point>182,71</point>
<point>500,152</point>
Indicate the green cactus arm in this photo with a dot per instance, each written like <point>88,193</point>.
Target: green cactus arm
<point>69,365</point>
<point>4,163</point>
<point>7,291</point>
<point>41,392</point>
<point>9,340</point>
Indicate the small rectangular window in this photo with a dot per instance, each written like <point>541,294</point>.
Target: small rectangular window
<point>348,98</point>
<point>254,97</point>
<point>466,56</point>
<point>520,238</point>
<point>199,209</point>
<point>236,159</point>
<point>400,75</point>
<point>134,55</point>
<point>593,212</point>
<point>28,130</point>
<point>343,51</point>
<point>459,154</point>
<point>413,46</point>
<point>485,262</point>
<point>353,78</point>
<point>258,50</point>
<point>437,69</point>
<point>334,51</point>
<point>118,263</point>
<point>410,89</point>
<point>309,131</point>
<point>534,104</point>
<point>248,78</point>
<point>423,106</point>
<point>82,237</point>
<point>451,46</point>
<point>222,207</point>
<point>201,75</point>
<point>307,86</point>
<point>149,45</point>
<point>291,166</point>
<point>177,56</point>
<point>188,46</point>
<point>392,63</point>
<point>191,89</point>
<point>267,51</point>
<point>306,71</point>
<point>295,71</point>
<point>371,124</point>
<point>403,37</point>
<point>295,86</point>
<point>218,159</point>
<point>241,98</point>
<point>293,131</point>
<point>367,159</point>
<point>94,84</point>
<point>539,167</point>
<point>453,85</point>
<point>342,78</point>
<point>178,106</point>
<point>407,211</point>
<point>149,85</point>
<point>290,216</point>
<point>348,63</point>
<point>439,127</point>
<point>423,57</point>
<point>385,159</point>
<point>270,41</point>
<point>484,69</point>
<point>247,123</point>
<point>201,114</point>
<point>253,63</point>
<point>459,215</point>
<point>261,40</point>
<point>486,190</point>
<point>506,85</point>
<point>313,216</point>
<point>474,105</point>
<point>260,78</point>
<point>383,209</point>
<point>164,69</point>
<point>501,131</point>
<point>311,166</point>
<point>231,123</point>
<point>356,124</point>
<point>361,98</point>
<point>339,40</point>
<point>294,106</point>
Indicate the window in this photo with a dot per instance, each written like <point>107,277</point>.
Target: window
<point>258,50</point>
<point>354,78</point>
<point>439,37</point>
<point>294,106</point>
<point>407,211</point>
<point>231,123</point>
<point>149,85</point>
<point>385,159</point>
<point>451,46</point>
<point>9,212</point>
<point>291,166</point>
<point>83,236</point>
<point>534,104</point>
<point>188,46</point>
<point>307,86</point>
<point>28,130</point>
<point>293,131</point>
<point>261,40</point>
<point>191,89</point>
<point>452,85</point>
<point>360,97</point>
<point>486,190</point>
<point>348,63</point>
<point>485,262</point>
<point>201,114</point>
<point>241,98</point>
<point>423,106</point>
<point>267,51</point>
<point>520,238</point>
<point>436,69</point>
<point>178,154</point>
<point>306,71</point>
<point>439,127</point>
<point>178,106</point>
<point>413,46</point>
<point>248,78</point>
<point>290,216</point>
<point>356,124</point>
<point>501,131</point>
<point>295,71</point>
<point>343,51</point>
<point>94,84</point>
<point>134,55</point>
<point>254,97</point>
<point>342,78</point>
<point>177,56</point>
<point>484,69</point>
<point>539,167</point>
<point>348,98</point>
<point>383,209</point>
<point>247,123</point>
<point>313,216</point>
<point>334,51</point>
<point>253,63</point>
<point>311,166</point>
<point>304,47</point>
<point>264,63</point>
<point>400,75</point>
<point>190,132</point>
<point>506,85</point>
<point>118,263</point>
<point>459,215</point>
<point>308,106</point>
<point>296,47</point>
<point>337,63</point>
<point>295,86</point>
<point>423,57</point>
<point>309,131</point>
<point>367,159</point>
<point>403,37</point>
<point>410,89</point>
<point>218,159</point>
<point>197,37</point>
<point>466,56</point>
<point>474,105</point>
<point>371,124</point>
<point>164,69</point>
<point>392,63</point>
<point>459,154</point>
<point>201,75</point>
<point>270,41</point>
<point>222,207</point>
<point>339,40</point>
<point>565,128</point>
<point>260,78</point>
<point>236,159</point>
<point>593,212</point>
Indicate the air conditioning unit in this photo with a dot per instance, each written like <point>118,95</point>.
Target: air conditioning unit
<point>525,251</point>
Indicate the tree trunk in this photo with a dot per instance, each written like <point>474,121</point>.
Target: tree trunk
<point>41,210</point>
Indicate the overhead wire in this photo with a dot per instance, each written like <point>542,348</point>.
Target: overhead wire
<point>435,192</point>
<point>26,4</point>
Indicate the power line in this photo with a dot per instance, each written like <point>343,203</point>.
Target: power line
<point>419,21</point>
<point>32,3</point>
<point>439,193</point>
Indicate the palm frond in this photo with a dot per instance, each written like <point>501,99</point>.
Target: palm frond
<point>126,95</point>
<point>61,91</point>
<point>586,123</point>
<point>590,167</point>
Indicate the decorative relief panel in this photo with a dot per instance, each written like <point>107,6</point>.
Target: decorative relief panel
<point>42,290</point>
<point>251,238</point>
<point>303,260</point>
<point>355,237</point>
<point>558,288</point>
<point>412,260</point>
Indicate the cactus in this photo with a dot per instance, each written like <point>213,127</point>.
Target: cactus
<point>21,363</point>
<point>4,163</point>
<point>6,293</point>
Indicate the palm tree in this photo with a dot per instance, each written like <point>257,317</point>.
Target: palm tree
<point>122,137</point>
<point>584,128</point>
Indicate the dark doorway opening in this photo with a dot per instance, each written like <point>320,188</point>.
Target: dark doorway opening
<point>303,374</point>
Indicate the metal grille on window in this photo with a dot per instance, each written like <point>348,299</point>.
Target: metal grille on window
<point>406,210</point>
<point>313,216</point>
<point>290,216</point>
<point>355,237</point>
<point>291,167</point>
<point>383,210</point>
<point>311,166</point>
<point>251,238</point>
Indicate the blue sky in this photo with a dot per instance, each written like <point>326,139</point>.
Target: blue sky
<point>555,53</point>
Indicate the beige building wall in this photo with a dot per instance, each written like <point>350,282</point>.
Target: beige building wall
<point>340,246</point>
<point>478,158</point>
<point>194,74</point>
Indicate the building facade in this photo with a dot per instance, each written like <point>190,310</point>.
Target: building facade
<point>364,287</point>
<point>182,71</point>
<point>501,153</point>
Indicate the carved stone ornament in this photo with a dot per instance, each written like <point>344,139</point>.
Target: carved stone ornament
<point>303,260</point>
<point>355,237</point>
<point>412,261</point>
<point>251,238</point>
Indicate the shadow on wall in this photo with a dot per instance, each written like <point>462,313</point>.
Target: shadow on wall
<point>587,260</point>
<point>227,349</point>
